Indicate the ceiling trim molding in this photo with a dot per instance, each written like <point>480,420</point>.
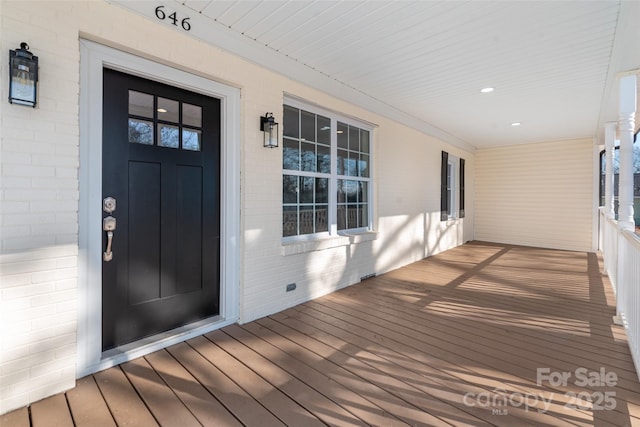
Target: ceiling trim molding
<point>219,35</point>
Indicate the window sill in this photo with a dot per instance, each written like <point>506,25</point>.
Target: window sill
<point>452,220</point>
<point>343,239</point>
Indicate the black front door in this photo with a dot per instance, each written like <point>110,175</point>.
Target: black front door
<point>161,165</point>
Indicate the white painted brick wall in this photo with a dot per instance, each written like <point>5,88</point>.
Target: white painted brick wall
<point>39,150</point>
<point>38,207</point>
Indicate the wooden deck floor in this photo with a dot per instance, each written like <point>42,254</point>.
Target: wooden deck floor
<point>455,339</point>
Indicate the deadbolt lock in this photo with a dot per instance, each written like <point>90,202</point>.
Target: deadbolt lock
<point>109,205</point>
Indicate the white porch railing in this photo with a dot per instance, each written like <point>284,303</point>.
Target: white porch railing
<point>609,247</point>
<point>621,253</point>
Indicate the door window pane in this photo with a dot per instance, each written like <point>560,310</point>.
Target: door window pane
<point>191,139</point>
<point>192,115</point>
<point>168,110</point>
<point>168,136</point>
<point>140,104</point>
<point>140,132</point>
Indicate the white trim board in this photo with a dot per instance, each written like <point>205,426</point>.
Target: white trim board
<point>93,58</point>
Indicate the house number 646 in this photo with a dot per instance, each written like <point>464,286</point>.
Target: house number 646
<point>161,15</point>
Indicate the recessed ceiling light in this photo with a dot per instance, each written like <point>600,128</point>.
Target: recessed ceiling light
<point>516,124</point>
<point>486,90</point>
<point>161,110</point>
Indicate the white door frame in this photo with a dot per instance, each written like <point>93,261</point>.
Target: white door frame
<point>93,58</point>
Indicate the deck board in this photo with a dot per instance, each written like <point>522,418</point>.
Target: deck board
<point>290,399</point>
<point>51,412</point>
<point>122,399</point>
<point>165,406</point>
<point>17,418</point>
<point>420,345</point>
<point>204,406</point>
<point>239,402</point>
<point>88,407</point>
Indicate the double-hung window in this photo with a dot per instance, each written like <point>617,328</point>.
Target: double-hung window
<point>326,173</point>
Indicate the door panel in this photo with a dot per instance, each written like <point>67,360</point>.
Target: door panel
<point>161,162</point>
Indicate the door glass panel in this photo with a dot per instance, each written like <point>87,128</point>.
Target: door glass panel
<point>140,104</point>
<point>140,132</point>
<point>168,110</point>
<point>169,136</point>
<point>191,139</point>
<point>192,115</point>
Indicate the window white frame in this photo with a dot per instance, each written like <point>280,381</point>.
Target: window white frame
<point>333,176</point>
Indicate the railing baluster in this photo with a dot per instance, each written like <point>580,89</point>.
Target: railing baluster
<point>621,254</point>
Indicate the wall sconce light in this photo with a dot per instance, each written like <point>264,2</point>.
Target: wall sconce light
<point>23,76</point>
<point>269,126</point>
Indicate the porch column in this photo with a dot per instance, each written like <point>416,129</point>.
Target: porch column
<point>609,142</point>
<point>626,124</point>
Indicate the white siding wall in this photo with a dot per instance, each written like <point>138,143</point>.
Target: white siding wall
<point>39,190</point>
<point>536,195</point>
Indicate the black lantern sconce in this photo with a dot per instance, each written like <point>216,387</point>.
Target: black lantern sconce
<point>269,126</point>
<point>23,76</point>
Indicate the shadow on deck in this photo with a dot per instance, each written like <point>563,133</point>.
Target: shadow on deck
<point>483,334</point>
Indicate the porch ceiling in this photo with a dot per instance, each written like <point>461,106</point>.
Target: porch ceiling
<point>552,64</point>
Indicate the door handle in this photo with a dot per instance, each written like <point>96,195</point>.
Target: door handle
<point>108,225</point>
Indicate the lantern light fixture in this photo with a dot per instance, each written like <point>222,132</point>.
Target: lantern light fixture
<point>23,76</point>
<point>269,127</point>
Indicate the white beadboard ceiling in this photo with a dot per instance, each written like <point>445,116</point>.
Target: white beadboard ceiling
<point>553,64</point>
